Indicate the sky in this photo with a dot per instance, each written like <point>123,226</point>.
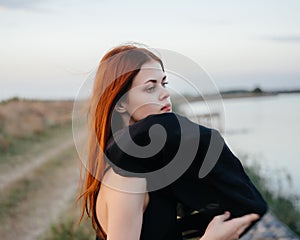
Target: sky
<point>49,47</point>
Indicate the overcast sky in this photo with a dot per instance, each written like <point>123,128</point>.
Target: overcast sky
<point>48,47</point>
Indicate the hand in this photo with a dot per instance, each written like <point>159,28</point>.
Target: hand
<point>220,229</point>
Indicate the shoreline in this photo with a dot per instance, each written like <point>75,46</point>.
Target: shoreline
<point>232,95</point>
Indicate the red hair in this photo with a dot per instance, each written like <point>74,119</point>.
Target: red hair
<point>114,77</point>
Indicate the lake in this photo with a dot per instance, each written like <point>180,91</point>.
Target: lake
<point>266,130</point>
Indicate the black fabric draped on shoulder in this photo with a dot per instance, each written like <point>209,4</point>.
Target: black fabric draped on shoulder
<point>198,167</point>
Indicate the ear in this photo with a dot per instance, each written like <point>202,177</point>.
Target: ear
<point>120,108</point>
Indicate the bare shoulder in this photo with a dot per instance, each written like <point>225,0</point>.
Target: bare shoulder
<point>117,190</point>
<point>118,183</point>
<point>120,199</point>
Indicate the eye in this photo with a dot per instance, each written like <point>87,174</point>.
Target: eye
<point>150,89</point>
<point>165,84</point>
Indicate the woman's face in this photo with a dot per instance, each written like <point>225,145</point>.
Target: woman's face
<point>148,93</point>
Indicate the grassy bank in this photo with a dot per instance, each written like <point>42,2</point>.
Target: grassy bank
<point>284,206</point>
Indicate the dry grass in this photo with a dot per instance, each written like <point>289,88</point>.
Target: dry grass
<point>23,118</point>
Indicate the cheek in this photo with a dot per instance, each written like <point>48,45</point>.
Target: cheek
<point>144,111</point>
<point>138,101</point>
<point>141,104</point>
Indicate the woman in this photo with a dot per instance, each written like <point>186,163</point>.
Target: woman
<point>130,91</point>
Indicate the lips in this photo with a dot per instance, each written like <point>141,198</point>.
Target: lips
<point>167,107</point>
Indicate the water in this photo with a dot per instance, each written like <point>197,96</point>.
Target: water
<point>266,129</point>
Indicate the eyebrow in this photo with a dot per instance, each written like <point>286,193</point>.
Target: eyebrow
<point>155,81</point>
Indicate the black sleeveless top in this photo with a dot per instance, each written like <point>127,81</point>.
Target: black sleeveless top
<point>160,218</point>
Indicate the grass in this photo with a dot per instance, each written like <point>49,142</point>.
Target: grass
<point>12,147</point>
<point>284,206</point>
<point>10,201</point>
<point>68,227</point>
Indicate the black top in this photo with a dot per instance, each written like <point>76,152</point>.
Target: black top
<point>210,177</point>
<point>159,220</point>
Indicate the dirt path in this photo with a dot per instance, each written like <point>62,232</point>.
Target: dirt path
<point>53,180</point>
<point>33,215</point>
<point>12,173</point>
<point>9,173</point>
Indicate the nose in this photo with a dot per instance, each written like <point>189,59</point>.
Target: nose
<point>164,94</point>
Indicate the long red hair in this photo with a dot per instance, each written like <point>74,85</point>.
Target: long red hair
<point>114,77</point>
